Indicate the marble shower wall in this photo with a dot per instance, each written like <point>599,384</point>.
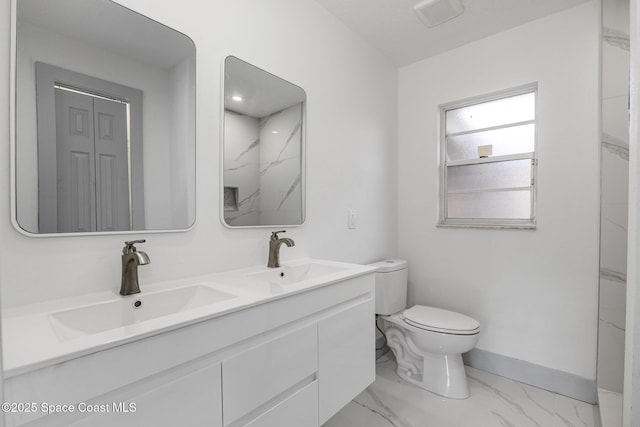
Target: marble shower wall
<point>262,163</point>
<point>242,169</point>
<point>614,193</point>
<point>280,167</point>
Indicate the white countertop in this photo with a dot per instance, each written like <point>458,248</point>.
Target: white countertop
<point>30,340</point>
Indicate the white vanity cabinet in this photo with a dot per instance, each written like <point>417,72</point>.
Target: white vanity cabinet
<point>292,361</point>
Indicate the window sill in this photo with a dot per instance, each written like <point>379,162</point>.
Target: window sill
<point>494,225</point>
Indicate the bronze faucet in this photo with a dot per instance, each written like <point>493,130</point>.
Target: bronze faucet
<point>131,259</point>
<point>274,248</point>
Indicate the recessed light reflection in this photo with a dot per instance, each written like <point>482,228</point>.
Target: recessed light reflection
<point>274,131</point>
<point>236,98</point>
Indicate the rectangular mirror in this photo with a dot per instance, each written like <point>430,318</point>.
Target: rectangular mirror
<point>263,148</point>
<point>103,116</point>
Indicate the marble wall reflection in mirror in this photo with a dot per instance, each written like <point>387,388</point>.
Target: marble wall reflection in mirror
<point>104,120</point>
<point>263,148</point>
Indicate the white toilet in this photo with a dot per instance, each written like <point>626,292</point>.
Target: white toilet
<point>427,342</point>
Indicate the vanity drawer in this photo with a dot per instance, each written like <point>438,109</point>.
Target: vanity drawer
<point>266,374</point>
<point>299,410</point>
<point>168,399</point>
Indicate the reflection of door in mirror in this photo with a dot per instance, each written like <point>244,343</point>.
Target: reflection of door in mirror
<point>92,164</point>
<point>91,149</point>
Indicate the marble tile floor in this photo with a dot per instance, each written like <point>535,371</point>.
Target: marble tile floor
<point>495,402</point>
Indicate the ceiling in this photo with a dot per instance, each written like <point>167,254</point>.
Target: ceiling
<point>262,93</point>
<point>109,26</point>
<point>393,27</point>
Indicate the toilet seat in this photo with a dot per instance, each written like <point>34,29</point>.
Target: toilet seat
<point>439,320</point>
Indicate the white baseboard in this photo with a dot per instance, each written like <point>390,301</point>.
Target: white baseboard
<point>560,382</point>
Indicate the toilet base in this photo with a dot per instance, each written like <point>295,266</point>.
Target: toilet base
<point>442,374</point>
<point>431,360</point>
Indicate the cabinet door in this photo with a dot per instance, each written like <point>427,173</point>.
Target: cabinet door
<point>194,399</point>
<point>346,363</point>
<point>260,377</point>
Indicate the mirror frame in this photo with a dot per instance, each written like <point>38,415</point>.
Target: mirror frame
<point>303,152</point>
<point>13,143</point>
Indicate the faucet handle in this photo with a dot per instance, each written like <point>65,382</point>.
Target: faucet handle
<point>274,235</point>
<point>129,248</point>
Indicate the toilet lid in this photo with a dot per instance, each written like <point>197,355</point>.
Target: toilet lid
<point>439,320</point>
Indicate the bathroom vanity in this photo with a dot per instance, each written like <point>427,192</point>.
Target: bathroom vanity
<point>256,347</point>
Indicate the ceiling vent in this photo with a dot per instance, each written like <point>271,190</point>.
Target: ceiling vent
<point>435,12</point>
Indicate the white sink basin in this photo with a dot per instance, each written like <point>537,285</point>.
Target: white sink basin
<point>292,274</point>
<point>95,318</point>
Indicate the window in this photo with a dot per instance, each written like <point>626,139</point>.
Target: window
<point>488,160</point>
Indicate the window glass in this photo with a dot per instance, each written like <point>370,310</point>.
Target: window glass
<point>499,112</point>
<point>490,205</point>
<point>489,176</point>
<point>505,141</point>
<point>489,161</point>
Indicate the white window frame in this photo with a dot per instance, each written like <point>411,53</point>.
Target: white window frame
<point>527,223</point>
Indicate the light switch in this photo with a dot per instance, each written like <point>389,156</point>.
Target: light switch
<point>352,218</point>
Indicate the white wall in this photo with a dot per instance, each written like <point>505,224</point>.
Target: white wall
<point>534,292</point>
<point>351,153</point>
<point>183,118</point>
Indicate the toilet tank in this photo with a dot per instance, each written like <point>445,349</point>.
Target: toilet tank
<point>391,285</point>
